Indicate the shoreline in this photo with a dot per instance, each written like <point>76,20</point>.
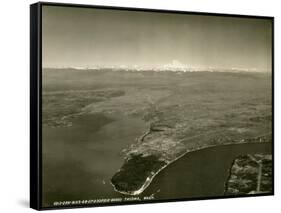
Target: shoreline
<point>150,178</point>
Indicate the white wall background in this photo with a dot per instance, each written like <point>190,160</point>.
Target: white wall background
<point>14,105</point>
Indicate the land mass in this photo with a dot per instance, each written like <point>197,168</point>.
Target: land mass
<point>183,111</point>
<point>250,174</point>
<point>138,171</point>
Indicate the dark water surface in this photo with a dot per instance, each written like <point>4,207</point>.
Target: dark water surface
<point>79,161</point>
<point>201,173</point>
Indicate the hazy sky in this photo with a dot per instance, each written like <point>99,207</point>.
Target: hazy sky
<point>83,37</point>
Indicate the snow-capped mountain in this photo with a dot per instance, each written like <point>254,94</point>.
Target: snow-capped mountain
<point>174,66</point>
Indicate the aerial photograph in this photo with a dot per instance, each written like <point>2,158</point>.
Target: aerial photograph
<point>143,106</point>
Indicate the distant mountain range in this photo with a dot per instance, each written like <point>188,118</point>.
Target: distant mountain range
<point>174,66</point>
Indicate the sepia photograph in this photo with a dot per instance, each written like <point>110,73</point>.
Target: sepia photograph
<point>151,106</point>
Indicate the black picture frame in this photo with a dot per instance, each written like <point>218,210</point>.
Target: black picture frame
<point>36,102</point>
